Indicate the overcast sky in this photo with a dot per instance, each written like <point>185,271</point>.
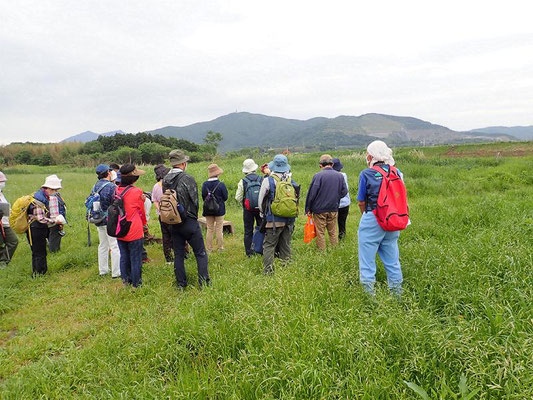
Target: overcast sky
<point>71,66</point>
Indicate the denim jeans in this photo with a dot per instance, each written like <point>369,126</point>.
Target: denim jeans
<point>373,239</point>
<point>131,261</point>
<point>249,217</point>
<point>189,231</point>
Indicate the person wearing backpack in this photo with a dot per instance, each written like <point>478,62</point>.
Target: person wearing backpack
<point>131,243</point>
<point>185,227</point>
<point>322,203</point>
<point>372,237</point>
<point>43,214</point>
<point>57,232</point>
<point>101,197</point>
<point>8,238</point>
<point>248,196</point>
<point>344,204</point>
<point>278,203</point>
<point>214,195</point>
<point>157,192</point>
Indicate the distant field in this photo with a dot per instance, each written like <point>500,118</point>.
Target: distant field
<point>308,331</point>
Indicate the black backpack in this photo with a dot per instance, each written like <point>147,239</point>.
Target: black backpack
<point>252,187</point>
<point>117,224</point>
<point>211,206</point>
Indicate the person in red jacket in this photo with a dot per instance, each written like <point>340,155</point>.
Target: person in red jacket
<point>131,245</point>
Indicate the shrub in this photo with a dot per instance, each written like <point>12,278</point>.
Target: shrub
<point>23,157</point>
<point>153,153</point>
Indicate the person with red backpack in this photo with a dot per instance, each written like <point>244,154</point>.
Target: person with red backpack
<point>248,196</point>
<point>131,242</point>
<point>383,203</point>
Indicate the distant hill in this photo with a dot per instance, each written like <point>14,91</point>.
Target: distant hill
<point>245,129</point>
<point>88,136</point>
<point>519,132</point>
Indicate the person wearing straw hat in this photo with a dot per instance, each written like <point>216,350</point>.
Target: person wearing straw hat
<point>8,238</point>
<point>131,245</point>
<point>42,218</point>
<point>214,216</point>
<point>248,196</point>
<point>372,238</point>
<point>188,231</point>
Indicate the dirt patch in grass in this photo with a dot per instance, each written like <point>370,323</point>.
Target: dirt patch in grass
<point>10,334</point>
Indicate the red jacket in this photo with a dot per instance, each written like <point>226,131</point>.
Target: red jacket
<point>134,207</point>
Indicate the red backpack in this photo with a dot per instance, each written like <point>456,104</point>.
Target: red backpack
<point>392,211</point>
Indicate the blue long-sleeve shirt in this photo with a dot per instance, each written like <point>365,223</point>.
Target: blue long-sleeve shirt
<point>327,189</point>
<point>107,194</point>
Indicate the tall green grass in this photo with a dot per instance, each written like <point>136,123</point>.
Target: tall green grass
<point>464,324</point>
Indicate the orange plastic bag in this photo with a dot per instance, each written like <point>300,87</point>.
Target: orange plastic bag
<point>309,230</point>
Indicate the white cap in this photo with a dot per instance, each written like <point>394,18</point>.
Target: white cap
<point>249,166</point>
<point>52,182</point>
<point>3,178</point>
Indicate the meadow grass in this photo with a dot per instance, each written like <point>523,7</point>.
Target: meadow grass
<point>306,332</point>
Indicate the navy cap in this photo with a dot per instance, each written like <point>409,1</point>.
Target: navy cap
<point>102,168</point>
<point>119,177</point>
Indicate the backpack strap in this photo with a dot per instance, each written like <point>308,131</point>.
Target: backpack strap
<point>125,191</point>
<point>216,187</point>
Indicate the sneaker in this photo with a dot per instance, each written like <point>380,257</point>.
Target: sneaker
<point>115,277</point>
<point>170,262</point>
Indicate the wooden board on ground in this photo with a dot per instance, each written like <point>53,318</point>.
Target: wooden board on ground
<point>228,226</point>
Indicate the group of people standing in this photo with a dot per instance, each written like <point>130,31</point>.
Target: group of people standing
<point>269,202</point>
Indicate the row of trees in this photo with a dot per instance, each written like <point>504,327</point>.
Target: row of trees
<point>121,148</point>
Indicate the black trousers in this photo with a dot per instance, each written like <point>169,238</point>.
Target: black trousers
<point>39,234</point>
<point>167,240</point>
<point>249,217</point>
<point>189,231</point>
<point>54,239</point>
<point>341,220</point>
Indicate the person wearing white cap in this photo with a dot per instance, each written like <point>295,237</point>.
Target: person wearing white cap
<point>42,217</point>
<point>372,238</point>
<point>8,238</point>
<point>248,196</point>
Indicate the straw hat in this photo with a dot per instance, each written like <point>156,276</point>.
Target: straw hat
<point>52,182</point>
<point>214,171</point>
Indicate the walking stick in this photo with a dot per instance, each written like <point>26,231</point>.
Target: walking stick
<point>88,233</point>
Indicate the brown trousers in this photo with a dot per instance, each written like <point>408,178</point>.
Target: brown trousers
<point>326,221</point>
<point>215,225</point>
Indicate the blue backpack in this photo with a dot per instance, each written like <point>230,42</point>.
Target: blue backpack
<point>95,214</point>
<point>252,188</point>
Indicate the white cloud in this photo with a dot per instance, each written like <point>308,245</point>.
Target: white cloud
<point>71,66</point>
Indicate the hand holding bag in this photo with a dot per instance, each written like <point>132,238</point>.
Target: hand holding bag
<point>309,230</point>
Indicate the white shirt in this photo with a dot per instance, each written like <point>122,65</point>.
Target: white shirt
<point>5,219</point>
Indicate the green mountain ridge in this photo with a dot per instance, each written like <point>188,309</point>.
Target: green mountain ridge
<point>244,129</point>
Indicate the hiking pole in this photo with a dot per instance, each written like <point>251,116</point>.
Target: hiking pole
<point>88,232</point>
<point>4,237</point>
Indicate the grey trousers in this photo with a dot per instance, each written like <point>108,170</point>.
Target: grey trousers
<point>8,247</point>
<point>280,237</point>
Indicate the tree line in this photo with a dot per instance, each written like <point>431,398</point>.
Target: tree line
<point>121,148</point>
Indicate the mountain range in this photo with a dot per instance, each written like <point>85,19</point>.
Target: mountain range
<point>89,136</point>
<point>519,132</point>
<point>244,129</point>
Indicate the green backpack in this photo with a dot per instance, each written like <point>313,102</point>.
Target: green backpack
<point>285,203</point>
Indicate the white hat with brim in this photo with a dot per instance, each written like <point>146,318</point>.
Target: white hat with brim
<point>249,166</point>
<point>52,182</point>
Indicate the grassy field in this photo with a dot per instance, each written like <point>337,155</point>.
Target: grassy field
<point>308,331</point>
